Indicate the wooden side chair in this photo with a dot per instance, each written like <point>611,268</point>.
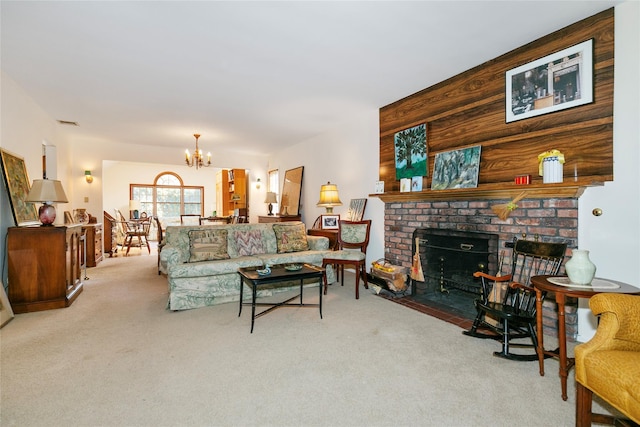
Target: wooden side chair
<point>507,306</point>
<point>140,231</point>
<point>160,237</point>
<point>353,239</point>
<point>190,219</point>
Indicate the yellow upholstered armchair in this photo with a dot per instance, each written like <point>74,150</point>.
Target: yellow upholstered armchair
<point>609,364</point>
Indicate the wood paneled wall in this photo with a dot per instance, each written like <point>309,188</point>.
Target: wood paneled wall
<point>469,109</point>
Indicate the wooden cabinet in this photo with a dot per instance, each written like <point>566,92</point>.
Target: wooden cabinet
<point>110,234</point>
<point>94,243</point>
<point>231,191</point>
<point>44,267</point>
<point>278,218</point>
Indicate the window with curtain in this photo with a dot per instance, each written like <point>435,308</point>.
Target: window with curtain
<point>168,198</point>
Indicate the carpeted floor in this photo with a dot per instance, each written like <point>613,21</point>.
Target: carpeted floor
<point>117,357</point>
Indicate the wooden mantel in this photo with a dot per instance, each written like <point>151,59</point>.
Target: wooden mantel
<point>567,190</point>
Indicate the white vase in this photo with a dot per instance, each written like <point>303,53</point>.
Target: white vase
<point>579,268</point>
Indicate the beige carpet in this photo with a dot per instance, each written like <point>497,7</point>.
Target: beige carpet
<point>117,357</point>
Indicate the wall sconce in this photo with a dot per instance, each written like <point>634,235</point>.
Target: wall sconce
<point>258,184</point>
<point>88,177</point>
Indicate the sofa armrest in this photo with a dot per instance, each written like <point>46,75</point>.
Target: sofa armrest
<point>318,243</point>
<point>618,327</point>
<point>170,255</point>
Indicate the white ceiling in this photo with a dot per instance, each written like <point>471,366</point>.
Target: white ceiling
<point>257,76</point>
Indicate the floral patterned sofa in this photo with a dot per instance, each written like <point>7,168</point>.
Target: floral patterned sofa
<point>201,262</point>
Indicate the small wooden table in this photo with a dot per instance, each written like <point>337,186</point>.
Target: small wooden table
<point>250,276</point>
<point>562,291</point>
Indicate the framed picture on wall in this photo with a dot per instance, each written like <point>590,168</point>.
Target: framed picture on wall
<point>556,82</point>
<point>410,147</point>
<point>329,222</point>
<point>456,169</point>
<point>18,185</point>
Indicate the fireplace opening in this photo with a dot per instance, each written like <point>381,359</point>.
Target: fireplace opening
<point>448,259</point>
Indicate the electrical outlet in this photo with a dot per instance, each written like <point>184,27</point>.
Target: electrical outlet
<point>86,199</point>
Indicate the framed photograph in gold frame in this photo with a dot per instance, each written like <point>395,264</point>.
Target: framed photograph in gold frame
<point>18,185</point>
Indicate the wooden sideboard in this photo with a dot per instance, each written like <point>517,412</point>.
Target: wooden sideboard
<point>44,267</point>
<point>94,243</point>
<point>278,218</point>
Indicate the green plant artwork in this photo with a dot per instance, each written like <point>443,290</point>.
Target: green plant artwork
<point>411,152</point>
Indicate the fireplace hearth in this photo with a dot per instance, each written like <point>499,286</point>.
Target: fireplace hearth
<point>448,259</point>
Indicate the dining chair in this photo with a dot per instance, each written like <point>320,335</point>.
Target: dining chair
<point>353,239</point>
<point>140,231</point>
<point>160,238</point>
<point>190,219</point>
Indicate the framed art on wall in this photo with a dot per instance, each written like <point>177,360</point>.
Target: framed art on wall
<point>456,169</point>
<point>18,185</point>
<point>556,82</point>
<point>411,152</point>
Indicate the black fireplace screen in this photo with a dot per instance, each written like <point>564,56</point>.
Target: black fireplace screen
<point>450,257</point>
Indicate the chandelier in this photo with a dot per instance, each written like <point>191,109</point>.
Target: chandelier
<point>197,159</point>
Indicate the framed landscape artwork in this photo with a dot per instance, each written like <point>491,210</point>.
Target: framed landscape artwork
<point>456,169</point>
<point>18,185</point>
<point>556,82</point>
<point>411,152</point>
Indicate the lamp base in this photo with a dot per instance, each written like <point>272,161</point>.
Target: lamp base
<point>47,214</point>
<point>270,210</point>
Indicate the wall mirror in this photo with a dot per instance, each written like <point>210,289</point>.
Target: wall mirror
<point>291,191</point>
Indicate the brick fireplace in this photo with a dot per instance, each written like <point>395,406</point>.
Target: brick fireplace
<point>546,219</point>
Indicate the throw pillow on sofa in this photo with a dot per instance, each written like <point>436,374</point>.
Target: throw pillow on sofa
<point>207,245</point>
<point>249,242</point>
<point>291,237</point>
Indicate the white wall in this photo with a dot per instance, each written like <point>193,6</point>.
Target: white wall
<point>118,175</point>
<point>348,157</point>
<point>613,239</point>
<point>111,190</point>
<point>24,126</point>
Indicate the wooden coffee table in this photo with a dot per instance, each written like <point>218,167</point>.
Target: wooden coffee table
<point>278,275</point>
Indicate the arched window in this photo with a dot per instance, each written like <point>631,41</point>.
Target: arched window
<point>168,198</point>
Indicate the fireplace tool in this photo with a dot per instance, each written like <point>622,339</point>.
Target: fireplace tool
<point>443,290</point>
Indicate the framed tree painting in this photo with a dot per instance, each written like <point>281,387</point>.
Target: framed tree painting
<point>18,185</point>
<point>411,152</point>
